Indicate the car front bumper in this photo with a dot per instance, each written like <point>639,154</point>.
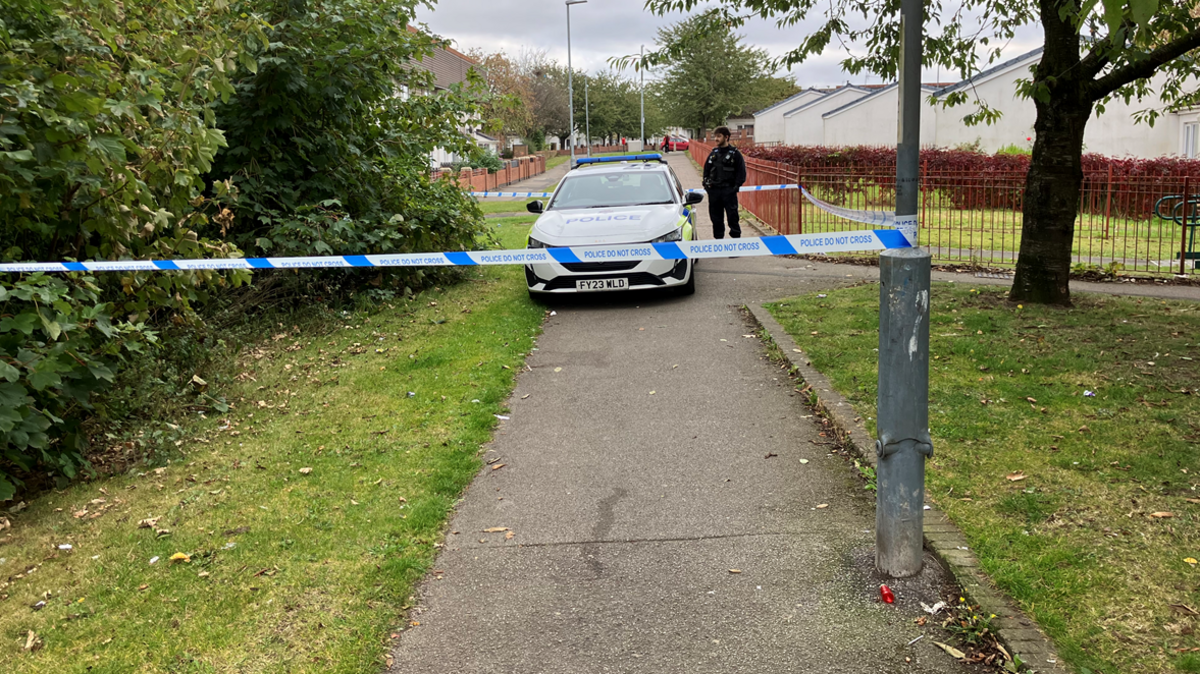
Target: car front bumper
<point>555,277</point>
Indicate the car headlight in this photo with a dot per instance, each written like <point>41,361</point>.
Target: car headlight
<point>534,243</point>
<point>676,235</point>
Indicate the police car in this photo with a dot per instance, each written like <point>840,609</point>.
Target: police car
<point>614,200</point>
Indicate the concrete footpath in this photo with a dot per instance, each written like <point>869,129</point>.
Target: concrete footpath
<point>672,507</point>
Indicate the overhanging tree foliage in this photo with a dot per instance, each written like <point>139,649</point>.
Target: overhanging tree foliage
<point>709,74</point>
<point>1127,43</point>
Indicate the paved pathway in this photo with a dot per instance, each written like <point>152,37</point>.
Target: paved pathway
<point>652,449</point>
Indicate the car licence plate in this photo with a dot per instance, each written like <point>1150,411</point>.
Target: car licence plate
<point>603,284</point>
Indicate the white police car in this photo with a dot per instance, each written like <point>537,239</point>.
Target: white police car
<point>614,200</point>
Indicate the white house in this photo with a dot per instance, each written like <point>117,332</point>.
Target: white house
<point>873,119</point>
<point>768,122</point>
<point>1189,133</point>
<point>803,125</point>
<point>852,117</point>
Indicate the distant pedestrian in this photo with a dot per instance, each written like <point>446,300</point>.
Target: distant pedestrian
<point>666,144</point>
<point>724,175</point>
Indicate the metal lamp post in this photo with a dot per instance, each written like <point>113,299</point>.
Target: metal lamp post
<point>570,72</point>
<point>904,443</point>
<point>587,116</point>
<point>643,92</point>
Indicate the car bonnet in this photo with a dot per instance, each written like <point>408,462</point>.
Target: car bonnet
<point>583,226</point>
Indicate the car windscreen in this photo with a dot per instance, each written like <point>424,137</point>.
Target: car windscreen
<point>601,190</point>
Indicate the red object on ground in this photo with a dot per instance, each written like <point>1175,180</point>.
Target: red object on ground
<point>885,593</point>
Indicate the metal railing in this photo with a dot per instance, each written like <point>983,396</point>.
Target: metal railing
<point>975,218</point>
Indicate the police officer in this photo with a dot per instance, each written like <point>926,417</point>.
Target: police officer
<point>724,175</point>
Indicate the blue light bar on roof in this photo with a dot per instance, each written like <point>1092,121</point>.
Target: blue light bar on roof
<point>613,160</point>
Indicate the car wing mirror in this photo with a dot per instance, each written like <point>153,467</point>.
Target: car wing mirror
<point>534,207</point>
<point>693,198</point>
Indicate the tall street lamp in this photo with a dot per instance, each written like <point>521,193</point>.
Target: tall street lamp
<point>587,116</point>
<point>570,72</point>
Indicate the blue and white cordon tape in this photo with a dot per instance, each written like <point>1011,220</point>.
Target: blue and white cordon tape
<point>793,244</point>
<point>902,236</point>
<point>547,195</point>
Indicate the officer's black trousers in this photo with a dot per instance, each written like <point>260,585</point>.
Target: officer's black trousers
<point>722,204</point>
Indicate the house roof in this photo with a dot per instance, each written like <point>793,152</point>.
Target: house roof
<point>446,47</point>
<point>844,87</point>
<point>874,94</point>
<point>809,90</point>
<point>994,71</point>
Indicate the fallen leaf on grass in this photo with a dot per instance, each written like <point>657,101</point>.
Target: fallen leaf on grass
<point>4,523</point>
<point>1017,476</point>
<point>32,642</point>
<point>1162,515</point>
<point>79,513</point>
<point>147,523</point>
<point>142,587</point>
<point>305,470</point>
<point>1184,609</point>
<point>1191,560</point>
<point>1190,500</point>
<point>180,557</point>
<point>495,530</point>
<point>954,652</point>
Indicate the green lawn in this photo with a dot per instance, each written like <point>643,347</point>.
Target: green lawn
<point>1082,507</point>
<point>301,519</point>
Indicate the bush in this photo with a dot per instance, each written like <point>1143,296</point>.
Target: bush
<point>58,345</point>
<point>105,131</point>
<point>192,129</point>
<point>327,159</point>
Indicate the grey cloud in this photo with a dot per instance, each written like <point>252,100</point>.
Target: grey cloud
<point>603,29</point>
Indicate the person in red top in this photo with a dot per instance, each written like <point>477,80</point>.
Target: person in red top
<point>666,145</point>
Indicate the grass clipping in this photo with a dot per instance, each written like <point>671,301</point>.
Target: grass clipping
<point>1066,449</point>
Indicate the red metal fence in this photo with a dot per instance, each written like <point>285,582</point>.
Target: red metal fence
<point>514,170</point>
<point>975,218</point>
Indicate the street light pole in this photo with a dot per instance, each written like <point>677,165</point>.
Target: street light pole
<point>587,116</point>
<point>570,73</point>
<point>643,88</point>
<point>904,274</point>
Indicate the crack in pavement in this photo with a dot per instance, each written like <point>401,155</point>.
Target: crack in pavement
<point>604,524</point>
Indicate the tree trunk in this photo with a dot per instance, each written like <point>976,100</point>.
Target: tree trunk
<point>1055,176</point>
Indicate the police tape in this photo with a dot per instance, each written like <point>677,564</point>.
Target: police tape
<point>906,224</point>
<point>547,195</point>
<point>792,244</point>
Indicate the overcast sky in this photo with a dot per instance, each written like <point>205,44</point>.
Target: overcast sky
<point>602,29</point>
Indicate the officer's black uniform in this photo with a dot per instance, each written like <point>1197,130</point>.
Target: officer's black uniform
<point>724,174</point>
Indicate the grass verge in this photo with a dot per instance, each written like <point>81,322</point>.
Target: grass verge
<point>1066,450</point>
<point>287,534</point>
